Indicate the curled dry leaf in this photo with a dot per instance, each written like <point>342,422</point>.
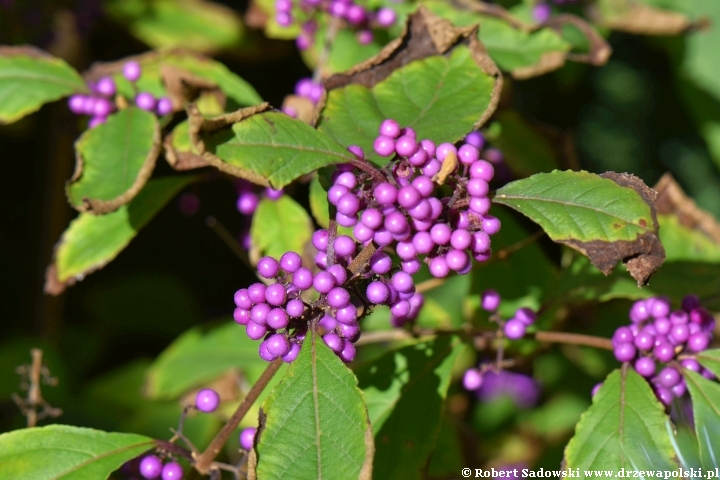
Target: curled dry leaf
<point>304,108</point>
<point>425,35</point>
<point>199,124</point>
<point>184,87</point>
<point>640,19</point>
<point>644,255</point>
<point>600,50</point>
<point>671,200</point>
<point>180,160</point>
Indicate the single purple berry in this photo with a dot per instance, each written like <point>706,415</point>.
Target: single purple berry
<point>384,146</point>
<point>164,106</point>
<point>292,353</point>
<point>264,353</point>
<point>624,351</point>
<point>377,292</point>
<point>76,103</point>
<point>644,341</point>
<point>691,364</point>
<point>690,302</point>
<point>255,331</point>
<point>247,438</point>
<point>333,341</point>
<point>472,379</point>
<point>106,87</point>
<point>439,267</point>
<point>347,354</point>
<point>490,300</point>
<point>477,187</point>
<point>645,366</point>
<point>207,400</point>
<point>323,282</point>
<point>277,318</point>
<point>151,467</point>
<point>468,154</point>
<point>268,267</point>
<point>385,193</point>
<point>482,169</point>
<point>344,245</point>
<point>664,352</point>
<point>347,315</point>
<point>541,13</point>
<point>475,139</point>
<point>256,292</point>
<point>338,297</point>
<point>490,225</point>
<point>172,471</point>
<point>663,394</point>
<point>514,329</point>
<point>303,278</point>
<point>247,203</point>
<point>278,345</point>
<point>697,342</point>
<point>132,71</point>
<point>145,101</point>
<point>320,240</point>
<point>405,146</point>
<point>669,377</point>
<point>386,17</point>
<point>380,263</point>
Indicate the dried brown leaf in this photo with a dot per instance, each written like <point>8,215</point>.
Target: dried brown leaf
<point>672,200</point>
<point>644,255</point>
<point>184,87</point>
<point>303,107</point>
<point>600,50</point>
<point>643,19</point>
<point>181,161</point>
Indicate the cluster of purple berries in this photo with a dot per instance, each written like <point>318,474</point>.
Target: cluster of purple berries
<point>490,384</point>
<point>659,334</point>
<point>249,196</point>
<point>514,329</point>
<point>357,16</point>
<point>151,467</point>
<point>100,103</point>
<point>401,212</point>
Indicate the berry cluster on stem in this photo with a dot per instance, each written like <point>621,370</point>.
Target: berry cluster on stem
<point>102,102</point>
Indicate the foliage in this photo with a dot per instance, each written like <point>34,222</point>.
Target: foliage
<point>487,355</point>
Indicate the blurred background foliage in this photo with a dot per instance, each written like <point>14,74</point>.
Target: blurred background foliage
<point>654,107</point>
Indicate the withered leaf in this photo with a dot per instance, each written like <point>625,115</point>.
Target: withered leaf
<point>644,255</point>
<point>671,200</point>
<point>640,19</point>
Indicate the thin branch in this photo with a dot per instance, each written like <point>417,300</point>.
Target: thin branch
<point>205,460</point>
<point>369,168</point>
<point>574,339</point>
<point>228,239</point>
<point>362,258</point>
<point>510,249</point>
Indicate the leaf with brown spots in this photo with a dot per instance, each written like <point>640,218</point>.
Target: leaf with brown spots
<point>609,217</point>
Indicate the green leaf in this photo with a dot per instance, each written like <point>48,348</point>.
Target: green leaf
<point>405,390</point>
<point>280,226</point>
<point>441,97</point>
<point>195,24</point>
<point>710,359</point>
<point>114,161</point>
<point>30,78</point>
<point>316,424</point>
<point>272,147</point>
<point>196,358</point>
<point>705,396</point>
<point>682,243</point>
<point>607,219</point>
<point>510,47</point>
<point>624,428</point>
<point>579,206</point>
<point>91,241</point>
<point>63,451</point>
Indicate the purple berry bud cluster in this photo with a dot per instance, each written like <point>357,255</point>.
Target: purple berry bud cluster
<point>490,384</point>
<point>355,16</point>
<point>101,102</point>
<point>515,327</point>
<point>151,467</point>
<point>430,202</point>
<point>279,313</point>
<point>657,336</point>
<point>249,196</point>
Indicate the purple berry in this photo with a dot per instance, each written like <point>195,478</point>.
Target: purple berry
<point>690,302</point>
<point>145,101</point>
<point>347,315</point>
<point>645,366</point>
<point>697,342</point>
<point>639,311</point>
<point>457,260</point>
<point>338,297</point>
<point>490,300</point>
<point>347,354</point>
<point>525,315</point>
<point>624,351</point>
<point>679,333</point>
<point>164,106</point>
<point>411,266</point>
<point>132,71</point>
<point>292,353</point>
<point>384,146</point>
<point>664,352</point>
<point>477,187</point>
<point>406,145</point>
<point>408,196</point>
<point>333,341</point>
<point>295,308</point>
<point>247,438</point>
<point>514,329</point>
<point>385,193</point>
<point>475,139</point>
<point>106,87</point>
<point>443,150</point>
<point>172,471</point>
<point>324,282</point>
<point>541,12</point>
<point>255,331</point>
<point>479,205</point>
<point>336,192</point>
<point>691,364</point>
<point>386,17</point>
<point>644,341</point>
<point>380,263</point>
<point>431,168</point>
<point>472,379</point>
<point>268,267</point>
<point>344,245</point>
<point>377,292</point>
<point>402,282</point>
<point>669,377</point>
<point>596,389</point>
<point>247,203</point>
<point>207,400</point>
<point>439,267</point>
<point>277,319</point>
<point>76,103</point>
<point>278,345</point>
<point>259,313</point>
<point>663,394</point>
<point>265,353</point>
<point>303,278</point>
<point>151,467</point>
<point>468,154</point>
<point>490,225</point>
